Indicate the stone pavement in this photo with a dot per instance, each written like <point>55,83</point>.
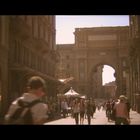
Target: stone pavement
<point>134,118</point>
<point>99,119</point>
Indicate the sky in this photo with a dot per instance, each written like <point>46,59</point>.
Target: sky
<point>65,27</point>
<point>108,74</point>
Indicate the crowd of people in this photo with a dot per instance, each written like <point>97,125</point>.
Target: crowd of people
<point>78,108</point>
<point>117,110</point>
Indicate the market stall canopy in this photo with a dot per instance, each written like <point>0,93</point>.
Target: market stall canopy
<point>71,92</point>
<point>83,97</point>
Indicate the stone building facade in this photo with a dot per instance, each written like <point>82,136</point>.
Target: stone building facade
<point>27,47</point>
<point>93,48</point>
<point>4,50</point>
<point>110,90</point>
<point>134,71</point>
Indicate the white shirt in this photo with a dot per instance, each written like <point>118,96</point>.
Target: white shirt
<point>39,110</point>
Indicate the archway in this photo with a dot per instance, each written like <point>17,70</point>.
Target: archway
<point>103,82</point>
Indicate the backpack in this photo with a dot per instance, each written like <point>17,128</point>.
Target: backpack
<point>23,114</point>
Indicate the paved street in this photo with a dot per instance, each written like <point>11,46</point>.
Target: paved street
<point>99,119</point>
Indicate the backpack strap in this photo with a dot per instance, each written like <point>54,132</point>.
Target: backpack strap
<point>34,103</point>
<point>21,111</point>
<point>24,104</point>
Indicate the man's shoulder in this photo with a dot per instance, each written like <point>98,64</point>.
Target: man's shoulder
<point>16,100</point>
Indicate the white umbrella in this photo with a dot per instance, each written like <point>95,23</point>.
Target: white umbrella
<point>71,92</point>
<point>83,97</point>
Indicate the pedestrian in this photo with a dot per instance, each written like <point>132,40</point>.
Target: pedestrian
<point>122,115</point>
<point>76,111</point>
<point>93,107</point>
<point>64,108</point>
<point>82,110</point>
<point>89,111</point>
<point>128,106</point>
<point>108,110</point>
<point>36,88</point>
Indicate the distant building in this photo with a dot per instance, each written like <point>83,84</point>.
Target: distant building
<point>109,89</point>
<point>93,48</point>
<point>134,54</point>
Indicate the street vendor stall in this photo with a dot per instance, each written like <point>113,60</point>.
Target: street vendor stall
<point>72,93</point>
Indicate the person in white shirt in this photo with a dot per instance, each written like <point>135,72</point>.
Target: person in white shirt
<point>36,90</point>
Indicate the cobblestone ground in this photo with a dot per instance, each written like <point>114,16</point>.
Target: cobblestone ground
<point>99,119</point>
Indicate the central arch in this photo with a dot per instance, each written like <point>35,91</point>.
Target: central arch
<point>97,90</point>
<point>100,62</point>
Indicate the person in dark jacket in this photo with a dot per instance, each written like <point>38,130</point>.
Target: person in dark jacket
<point>89,111</point>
